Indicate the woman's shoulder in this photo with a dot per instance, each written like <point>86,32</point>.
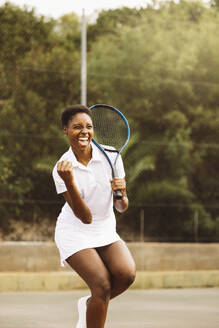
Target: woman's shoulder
<point>65,157</point>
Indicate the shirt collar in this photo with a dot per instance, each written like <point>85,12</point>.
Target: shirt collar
<point>95,155</point>
<point>73,157</point>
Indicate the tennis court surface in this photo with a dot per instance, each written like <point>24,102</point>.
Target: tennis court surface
<point>166,308</point>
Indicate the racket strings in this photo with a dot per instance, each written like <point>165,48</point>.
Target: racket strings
<point>109,127</point>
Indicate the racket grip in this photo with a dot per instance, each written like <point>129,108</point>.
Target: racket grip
<point>117,194</point>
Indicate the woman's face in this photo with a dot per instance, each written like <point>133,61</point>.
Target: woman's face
<point>79,131</point>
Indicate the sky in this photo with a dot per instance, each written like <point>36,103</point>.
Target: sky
<point>57,8</point>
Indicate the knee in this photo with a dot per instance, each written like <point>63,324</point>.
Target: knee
<point>126,278</point>
<point>130,277</point>
<point>102,289</point>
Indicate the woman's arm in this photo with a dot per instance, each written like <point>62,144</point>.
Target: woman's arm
<point>72,195</point>
<point>122,204</point>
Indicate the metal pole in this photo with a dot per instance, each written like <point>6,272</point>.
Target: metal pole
<point>83,60</point>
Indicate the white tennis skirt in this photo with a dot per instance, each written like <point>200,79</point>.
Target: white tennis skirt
<point>72,238</point>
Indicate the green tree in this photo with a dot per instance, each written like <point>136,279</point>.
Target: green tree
<point>21,30</point>
<point>159,65</point>
<point>158,74</point>
<point>45,79</point>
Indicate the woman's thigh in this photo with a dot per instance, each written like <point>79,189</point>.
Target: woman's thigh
<point>118,259</point>
<point>91,268</point>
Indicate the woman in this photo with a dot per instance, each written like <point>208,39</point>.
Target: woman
<point>86,228</point>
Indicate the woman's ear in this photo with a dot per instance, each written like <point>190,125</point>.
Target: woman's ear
<point>65,130</point>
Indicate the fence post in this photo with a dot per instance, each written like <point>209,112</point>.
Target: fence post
<point>142,225</point>
<point>196,226</point>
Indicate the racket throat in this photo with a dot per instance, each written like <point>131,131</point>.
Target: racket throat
<point>115,172</point>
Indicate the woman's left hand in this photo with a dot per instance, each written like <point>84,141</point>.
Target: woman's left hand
<point>118,184</point>
<point>120,204</point>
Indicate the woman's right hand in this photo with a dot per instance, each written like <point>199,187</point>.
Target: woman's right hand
<point>72,195</point>
<point>65,171</point>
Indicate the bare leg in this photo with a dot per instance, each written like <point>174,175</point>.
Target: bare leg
<point>88,264</point>
<point>120,264</point>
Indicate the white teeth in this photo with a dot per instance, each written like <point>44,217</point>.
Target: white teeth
<point>83,139</point>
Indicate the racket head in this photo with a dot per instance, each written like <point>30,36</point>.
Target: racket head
<point>111,128</point>
<point>112,133</point>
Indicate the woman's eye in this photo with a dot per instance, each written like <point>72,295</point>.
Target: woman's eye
<point>79,127</point>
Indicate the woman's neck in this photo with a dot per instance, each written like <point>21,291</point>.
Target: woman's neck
<point>83,155</point>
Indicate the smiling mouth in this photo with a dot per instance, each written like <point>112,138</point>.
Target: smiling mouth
<point>83,139</point>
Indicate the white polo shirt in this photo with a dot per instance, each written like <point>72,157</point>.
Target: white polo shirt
<point>93,183</point>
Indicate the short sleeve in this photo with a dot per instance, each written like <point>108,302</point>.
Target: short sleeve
<point>120,167</point>
<point>59,183</point>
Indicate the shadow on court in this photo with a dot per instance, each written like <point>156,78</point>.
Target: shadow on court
<point>172,308</point>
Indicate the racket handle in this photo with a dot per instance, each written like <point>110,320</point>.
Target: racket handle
<point>117,194</point>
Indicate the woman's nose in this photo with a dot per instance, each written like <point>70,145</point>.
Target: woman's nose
<point>84,130</point>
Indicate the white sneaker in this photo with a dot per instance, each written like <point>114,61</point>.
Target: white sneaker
<point>82,309</point>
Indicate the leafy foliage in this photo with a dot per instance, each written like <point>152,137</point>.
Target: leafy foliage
<point>160,66</point>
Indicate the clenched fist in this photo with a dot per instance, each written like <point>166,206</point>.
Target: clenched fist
<point>65,171</point>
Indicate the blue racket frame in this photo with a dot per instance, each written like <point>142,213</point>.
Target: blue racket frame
<point>113,165</point>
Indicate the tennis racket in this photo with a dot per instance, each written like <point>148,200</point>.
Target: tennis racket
<point>112,134</point>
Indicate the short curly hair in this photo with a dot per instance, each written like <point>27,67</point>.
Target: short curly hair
<point>70,111</point>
